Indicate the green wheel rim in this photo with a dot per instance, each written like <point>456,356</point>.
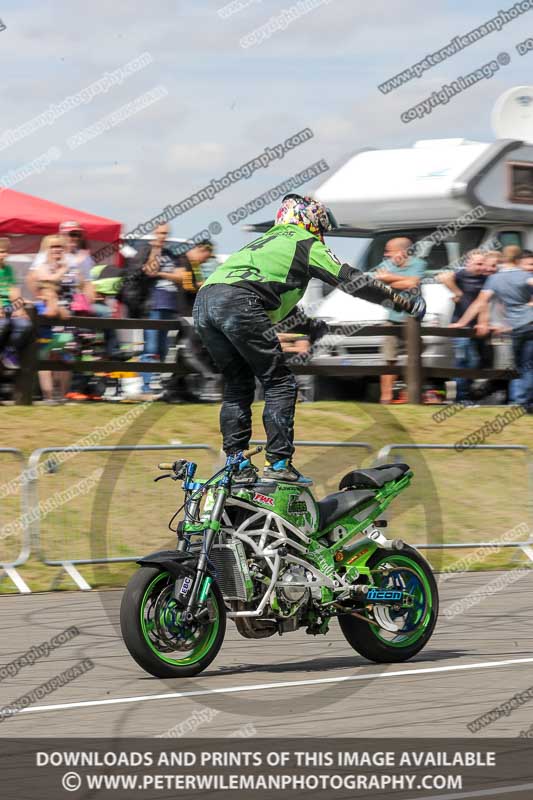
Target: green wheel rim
<point>423,596</point>
<point>201,648</point>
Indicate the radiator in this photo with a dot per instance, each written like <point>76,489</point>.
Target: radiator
<point>231,571</point>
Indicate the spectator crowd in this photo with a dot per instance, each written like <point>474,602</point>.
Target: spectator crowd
<point>64,284</point>
<point>492,293</point>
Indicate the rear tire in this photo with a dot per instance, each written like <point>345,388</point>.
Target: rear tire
<point>365,638</point>
<point>140,638</point>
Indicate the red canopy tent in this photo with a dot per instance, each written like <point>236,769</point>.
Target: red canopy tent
<point>26,219</point>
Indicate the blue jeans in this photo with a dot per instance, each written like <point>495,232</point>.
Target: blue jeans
<point>155,343</point>
<point>467,356</point>
<point>101,309</point>
<point>238,334</point>
<point>523,356</point>
<point>15,333</point>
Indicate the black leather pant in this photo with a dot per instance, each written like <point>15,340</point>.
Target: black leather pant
<point>238,334</point>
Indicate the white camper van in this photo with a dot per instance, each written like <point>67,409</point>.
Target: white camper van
<point>448,195</point>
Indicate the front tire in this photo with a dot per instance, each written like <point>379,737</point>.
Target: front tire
<point>410,570</point>
<point>154,633</point>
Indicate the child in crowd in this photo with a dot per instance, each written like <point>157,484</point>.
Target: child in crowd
<point>53,342</point>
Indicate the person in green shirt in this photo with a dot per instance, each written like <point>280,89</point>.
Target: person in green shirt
<point>15,326</point>
<point>236,312</point>
<point>7,278</point>
<point>106,281</point>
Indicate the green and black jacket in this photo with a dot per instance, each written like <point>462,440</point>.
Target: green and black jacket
<point>279,264</point>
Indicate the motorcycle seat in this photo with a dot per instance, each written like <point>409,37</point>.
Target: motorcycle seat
<point>335,505</point>
<point>373,478</point>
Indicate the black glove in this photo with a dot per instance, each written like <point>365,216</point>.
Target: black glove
<point>418,308</point>
<point>317,329</point>
<point>367,287</point>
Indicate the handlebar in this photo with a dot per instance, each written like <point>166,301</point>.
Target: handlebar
<point>253,452</point>
<point>178,467</point>
<point>170,466</point>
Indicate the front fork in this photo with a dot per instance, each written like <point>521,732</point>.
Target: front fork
<point>196,606</point>
<point>202,581</point>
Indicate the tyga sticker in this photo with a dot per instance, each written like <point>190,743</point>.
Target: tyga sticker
<point>302,508</point>
<point>296,506</point>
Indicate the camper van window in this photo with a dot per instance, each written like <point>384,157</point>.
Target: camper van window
<point>520,182</point>
<point>506,238</point>
<point>436,255</point>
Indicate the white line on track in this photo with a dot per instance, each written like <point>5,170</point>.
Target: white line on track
<point>368,676</point>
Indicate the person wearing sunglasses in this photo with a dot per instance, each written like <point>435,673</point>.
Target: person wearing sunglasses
<point>56,267</point>
<point>77,250</point>
<point>236,312</point>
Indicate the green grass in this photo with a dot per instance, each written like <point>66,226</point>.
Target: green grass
<point>455,496</point>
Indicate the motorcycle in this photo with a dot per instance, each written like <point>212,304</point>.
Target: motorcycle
<point>272,559</point>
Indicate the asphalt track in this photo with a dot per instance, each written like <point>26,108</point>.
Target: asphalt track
<point>296,685</point>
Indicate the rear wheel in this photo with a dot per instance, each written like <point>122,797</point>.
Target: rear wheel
<point>396,632</point>
<point>156,635</point>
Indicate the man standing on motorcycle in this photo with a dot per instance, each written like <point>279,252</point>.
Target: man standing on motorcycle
<point>234,314</point>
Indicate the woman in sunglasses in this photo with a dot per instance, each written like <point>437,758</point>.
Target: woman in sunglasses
<point>77,250</point>
<point>75,253</point>
<point>54,267</point>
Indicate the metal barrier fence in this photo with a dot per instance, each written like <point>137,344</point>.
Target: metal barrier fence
<point>14,533</point>
<point>111,521</point>
<point>498,516</point>
<point>106,524</point>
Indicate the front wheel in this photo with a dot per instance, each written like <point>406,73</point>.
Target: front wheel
<point>157,637</point>
<point>395,632</point>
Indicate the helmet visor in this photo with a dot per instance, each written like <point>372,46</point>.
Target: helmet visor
<point>333,224</point>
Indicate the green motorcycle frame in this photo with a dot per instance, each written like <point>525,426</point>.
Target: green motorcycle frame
<point>272,559</point>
